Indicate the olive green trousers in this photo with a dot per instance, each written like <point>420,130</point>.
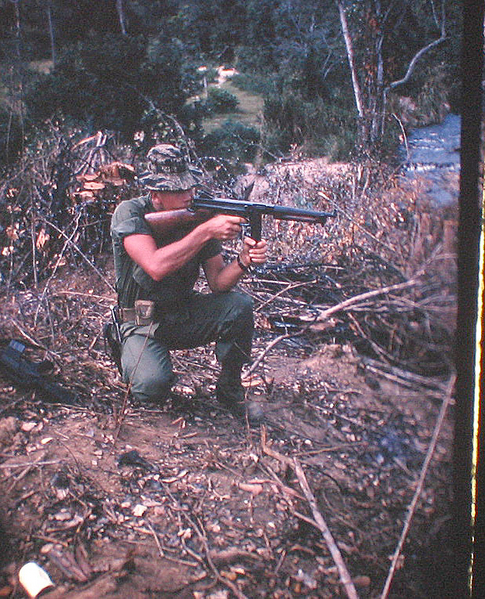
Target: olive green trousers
<point>226,318</point>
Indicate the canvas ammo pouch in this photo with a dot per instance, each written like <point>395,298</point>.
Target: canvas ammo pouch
<point>142,314</point>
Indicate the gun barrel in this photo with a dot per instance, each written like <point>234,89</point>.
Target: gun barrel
<point>230,206</point>
<point>288,213</point>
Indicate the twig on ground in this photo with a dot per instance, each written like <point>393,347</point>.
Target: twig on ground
<point>46,463</point>
<point>29,338</point>
<point>400,380</point>
<point>327,535</point>
<point>319,521</point>
<point>203,538</point>
<point>105,298</point>
<point>411,377</point>
<point>269,347</point>
<point>419,486</point>
<point>155,536</point>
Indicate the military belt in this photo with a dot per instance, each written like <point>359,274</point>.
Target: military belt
<point>142,314</point>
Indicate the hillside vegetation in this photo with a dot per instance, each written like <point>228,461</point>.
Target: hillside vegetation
<point>355,319</point>
<point>337,78</point>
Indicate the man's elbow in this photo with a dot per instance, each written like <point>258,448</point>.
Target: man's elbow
<point>157,274</point>
<point>218,287</point>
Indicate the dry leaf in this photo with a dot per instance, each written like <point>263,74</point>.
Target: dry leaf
<point>139,510</point>
<point>251,488</point>
<point>28,426</point>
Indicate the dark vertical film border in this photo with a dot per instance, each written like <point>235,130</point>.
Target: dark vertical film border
<point>467,472</point>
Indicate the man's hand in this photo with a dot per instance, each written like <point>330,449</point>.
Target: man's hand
<point>253,252</point>
<point>223,227</point>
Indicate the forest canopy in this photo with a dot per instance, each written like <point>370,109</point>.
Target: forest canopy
<point>339,78</point>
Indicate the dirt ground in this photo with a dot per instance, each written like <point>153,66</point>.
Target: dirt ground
<point>114,498</point>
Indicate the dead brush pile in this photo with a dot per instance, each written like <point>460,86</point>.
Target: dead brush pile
<point>381,273</point>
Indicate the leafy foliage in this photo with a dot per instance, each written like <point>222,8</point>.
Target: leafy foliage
<point>109,83</point>
<point>113,61</point>
<point>220,100</point>
<point>233,140</point>
<point>318,126</point>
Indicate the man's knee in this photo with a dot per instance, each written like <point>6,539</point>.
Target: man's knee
<point>146,369</point>
<point>242,304</point>
<point>151,386</point>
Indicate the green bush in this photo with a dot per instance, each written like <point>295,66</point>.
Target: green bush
<point>319,126</point>
<point>107,82</point>
<point>233,141</point>
<point>221,101</point>
<point>253,83</point>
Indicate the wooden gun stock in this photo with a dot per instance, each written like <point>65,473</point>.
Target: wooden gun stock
<point>168,220</point>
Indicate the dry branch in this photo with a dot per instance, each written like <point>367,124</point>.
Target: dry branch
<point>268,348</point>
<point>319,521</point>
<point>327,535</point>
<point>81,253</point>
<point>352,301</point>
<point>419,486</point>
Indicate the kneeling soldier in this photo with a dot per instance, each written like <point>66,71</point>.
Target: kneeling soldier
<point>155,276</point>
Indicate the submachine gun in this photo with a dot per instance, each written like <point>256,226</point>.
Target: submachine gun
<point>29,374</point>
<point>204,207</point>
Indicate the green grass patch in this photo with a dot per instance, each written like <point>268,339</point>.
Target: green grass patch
<point>248,112</point>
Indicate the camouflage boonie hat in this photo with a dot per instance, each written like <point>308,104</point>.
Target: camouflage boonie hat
<point>168,170</point>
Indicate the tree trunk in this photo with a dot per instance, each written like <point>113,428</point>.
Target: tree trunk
<point>351,58</point>
<point>371,101</point>
<point>363,125</point>
<point>121,16</point>
<point>51,34</point>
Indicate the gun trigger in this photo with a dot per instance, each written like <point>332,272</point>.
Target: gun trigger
<point>245,230</point>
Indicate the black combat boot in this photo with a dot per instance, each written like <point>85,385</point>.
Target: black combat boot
<point>229,389</point>
<point>230,393</point>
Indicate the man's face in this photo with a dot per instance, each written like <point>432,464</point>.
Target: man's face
<point>172,200</point>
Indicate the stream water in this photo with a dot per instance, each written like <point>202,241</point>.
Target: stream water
<point>434,153</point>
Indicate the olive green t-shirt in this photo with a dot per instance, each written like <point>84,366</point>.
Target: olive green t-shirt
<point>132,282</point>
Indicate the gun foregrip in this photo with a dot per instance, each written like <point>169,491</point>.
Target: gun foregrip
<point>255,222</point>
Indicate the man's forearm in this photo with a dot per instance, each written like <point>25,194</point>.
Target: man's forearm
<point>228,277</point>
<point>170,258</point>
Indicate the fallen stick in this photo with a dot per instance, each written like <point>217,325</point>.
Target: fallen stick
<point>290,287</point>
<point>324,314</point>
<point>29,464</point>
<point>270,346</point>
<point>203,538</point>
<point>327,535</point>
<point>229,556</point>
<point>319,521</point>
<point>430,382</point>
<point>419,487</point>
<point>402,381</point>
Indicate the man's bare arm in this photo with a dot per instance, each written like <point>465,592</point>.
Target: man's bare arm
<point>223,278</point>
<point>161,262</point>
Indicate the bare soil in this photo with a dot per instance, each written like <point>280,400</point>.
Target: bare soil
<point>118,499</point>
